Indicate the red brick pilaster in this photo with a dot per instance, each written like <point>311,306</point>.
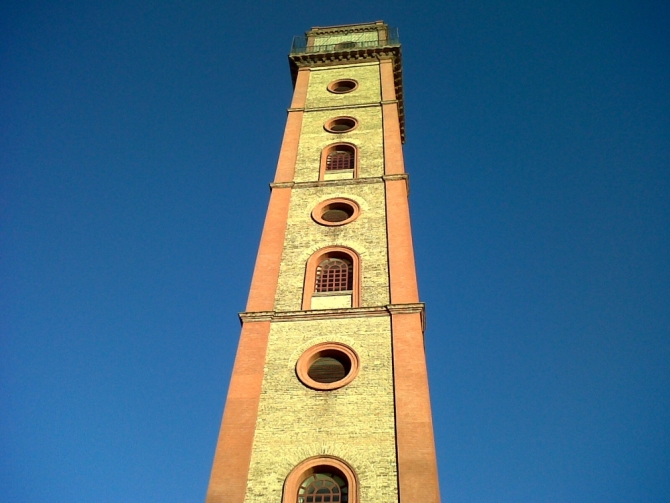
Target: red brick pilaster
<point>230,470</point>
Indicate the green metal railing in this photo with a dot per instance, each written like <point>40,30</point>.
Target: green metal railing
<point>299,45</point>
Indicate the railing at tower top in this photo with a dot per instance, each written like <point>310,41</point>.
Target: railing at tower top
<point>300,46</point>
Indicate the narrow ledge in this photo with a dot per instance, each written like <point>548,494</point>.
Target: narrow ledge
<point>341,107</point>
<point>339,183</point>
<point>326,183</point>
<point>322,314</point>
<point>398,177</point>
<point>282,185</point>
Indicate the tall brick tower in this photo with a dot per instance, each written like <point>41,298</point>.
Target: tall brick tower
<point>328,401</point>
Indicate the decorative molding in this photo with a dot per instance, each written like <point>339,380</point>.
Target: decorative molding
<point>374,62</point>
<point>347,312</point>
<point>337,183</point>
<point>344,29</point>
<point>343,107</point>
<point>315,314</point>
<point>343,182</point>
<point>251,316</point>
<point>396,177</point>
<point>417,307</point>
<point>282,185</point>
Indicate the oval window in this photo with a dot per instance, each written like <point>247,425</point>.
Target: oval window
<point>331,368</point>
<point>338,212</point>
<point>341,125</point>
<point>327,366</point>
<point>342,86</point>
<point>335,212</point>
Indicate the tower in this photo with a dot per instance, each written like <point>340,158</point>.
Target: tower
<point>328,400</point>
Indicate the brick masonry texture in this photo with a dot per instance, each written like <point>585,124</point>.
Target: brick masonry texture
<point>368,136</point>
<point>288,423</point>
<point>368,90</point>
<point>355,423</point>
<point>366,235</point>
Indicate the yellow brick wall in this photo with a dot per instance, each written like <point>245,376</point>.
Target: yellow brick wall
<point>355,423</point>
<point>366,235</point>
<point>363,104</point>
<point>367,92</point>
<point>368,137</point>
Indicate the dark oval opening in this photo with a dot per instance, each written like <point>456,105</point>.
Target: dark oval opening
<point>343,86</point>
<point>335,216</point>
<point>342,125</point>
<point>329,368</point>
<point>337,212</point>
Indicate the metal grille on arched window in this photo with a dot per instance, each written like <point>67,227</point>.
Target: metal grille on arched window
<point>323,488</point>
<point>341,158</point>
<point>334,275</point>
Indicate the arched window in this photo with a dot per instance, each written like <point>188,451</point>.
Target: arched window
<point>334,275</point>
<point>331,279</point>
<point>323,488</point>
<point>339,162</point>
<point>321,479</point>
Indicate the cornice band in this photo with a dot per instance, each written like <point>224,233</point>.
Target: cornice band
<point>321,314</point>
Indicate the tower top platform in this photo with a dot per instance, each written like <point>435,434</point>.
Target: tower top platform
<point>350,44</point>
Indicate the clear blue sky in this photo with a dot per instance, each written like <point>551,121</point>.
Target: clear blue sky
<point>138,138</point>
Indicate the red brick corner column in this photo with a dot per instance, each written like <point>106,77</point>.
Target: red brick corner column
<point>417,461</point>
<point>228,481</point>
<point>232,457</point>
<point>394,162</point>
<point>289,147</point>
<point>402,271</point>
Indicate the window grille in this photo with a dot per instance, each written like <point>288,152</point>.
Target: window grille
<point>323,488</point>
<point>340,159</point>
<point>334,275</point>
